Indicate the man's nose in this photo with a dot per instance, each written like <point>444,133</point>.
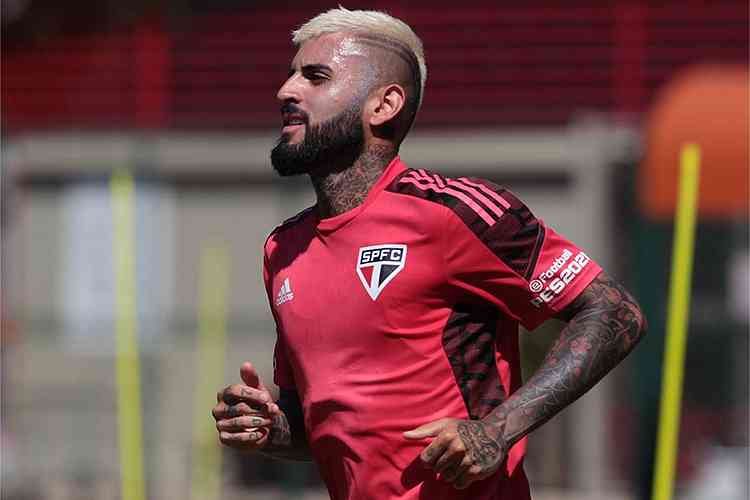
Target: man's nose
<point>289,91</point>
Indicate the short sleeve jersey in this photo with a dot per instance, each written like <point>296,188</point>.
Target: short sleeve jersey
<point>405,310</point>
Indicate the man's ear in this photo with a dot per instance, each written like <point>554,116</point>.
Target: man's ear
<point>387,104</point>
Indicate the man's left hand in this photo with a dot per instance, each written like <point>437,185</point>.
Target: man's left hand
<point>463,451</point>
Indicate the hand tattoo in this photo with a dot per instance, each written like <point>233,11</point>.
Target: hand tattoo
<point>484,450</point>
<point>287,438</point>
<point>280,434</point>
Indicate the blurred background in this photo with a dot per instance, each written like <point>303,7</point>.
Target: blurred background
<point>581,108</point>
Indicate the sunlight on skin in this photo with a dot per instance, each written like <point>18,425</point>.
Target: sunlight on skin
<point>350,71</point>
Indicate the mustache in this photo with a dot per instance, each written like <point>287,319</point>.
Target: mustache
<point>291,108</point>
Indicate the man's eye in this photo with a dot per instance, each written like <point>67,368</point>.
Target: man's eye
<point>316,77</point>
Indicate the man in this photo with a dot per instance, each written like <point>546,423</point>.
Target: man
<point>397,297</point>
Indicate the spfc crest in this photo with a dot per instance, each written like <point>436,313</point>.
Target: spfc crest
<point>377,265</point>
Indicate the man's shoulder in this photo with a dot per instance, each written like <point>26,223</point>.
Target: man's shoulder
<point>468,197</point>
<point>495,216</point>
<point>289,225</point>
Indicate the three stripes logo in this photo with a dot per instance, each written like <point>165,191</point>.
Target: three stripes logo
<point>377,265</point>
<point>485,202</point>
<point>285,293</point>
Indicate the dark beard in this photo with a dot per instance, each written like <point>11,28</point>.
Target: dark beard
<point>332,145</point>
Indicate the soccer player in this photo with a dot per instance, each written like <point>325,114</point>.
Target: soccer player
<point>397,297</point>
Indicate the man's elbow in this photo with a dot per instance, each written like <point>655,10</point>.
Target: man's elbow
<point>632,322</point>
<point>640,325</point>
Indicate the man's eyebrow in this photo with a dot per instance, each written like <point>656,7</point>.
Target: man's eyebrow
<point>317,67</point>
<point>311,68</point>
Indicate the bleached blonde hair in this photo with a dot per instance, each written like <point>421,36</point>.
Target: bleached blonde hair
<point>366,22</point>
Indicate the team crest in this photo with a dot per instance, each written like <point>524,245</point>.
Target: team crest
<point>377,265</point>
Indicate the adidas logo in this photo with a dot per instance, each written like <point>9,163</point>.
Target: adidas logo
<point>285,293</point>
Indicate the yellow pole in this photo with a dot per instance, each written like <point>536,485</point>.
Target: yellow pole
<point>210,353</point>
<point>677,320</point>
<point>126,332</point>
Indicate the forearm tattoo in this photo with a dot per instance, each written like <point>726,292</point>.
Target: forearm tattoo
<point>605,324</point>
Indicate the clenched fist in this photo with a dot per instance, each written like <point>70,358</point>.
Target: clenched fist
<point>245,413</point>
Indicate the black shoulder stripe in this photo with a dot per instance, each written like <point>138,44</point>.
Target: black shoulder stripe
<point>535,253</point>
<point>497,217</point>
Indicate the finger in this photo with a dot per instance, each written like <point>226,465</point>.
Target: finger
<point>462,482</point>
<point>434,451</point>
<point>219,410</point>
<point>250,376</point>
<point>465,479</point>
<point>448,460</point>
<point>237,393</point>
<point>243,440</point>
<point>428,430</point>
<point>273,409</point>
<point>241,409</point>
<point>452,474</point>
<point>218,397</point>
<point>240,424</point>
<point>454,452</point>
<point>223,410</point>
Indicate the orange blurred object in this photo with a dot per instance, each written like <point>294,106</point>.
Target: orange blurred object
<point>707,105</point>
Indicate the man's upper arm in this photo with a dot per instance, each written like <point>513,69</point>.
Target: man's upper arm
<point>282,369</point>
<point>605,302</point>
<point>515,261</point>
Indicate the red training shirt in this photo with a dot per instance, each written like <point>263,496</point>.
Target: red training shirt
<point>405,310</point>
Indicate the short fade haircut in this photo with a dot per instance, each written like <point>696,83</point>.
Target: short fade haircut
<point>378,25</point>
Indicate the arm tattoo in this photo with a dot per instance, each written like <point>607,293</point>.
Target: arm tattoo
<point>605,324</point>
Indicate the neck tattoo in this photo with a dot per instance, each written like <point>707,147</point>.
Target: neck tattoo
<point>340,191</point>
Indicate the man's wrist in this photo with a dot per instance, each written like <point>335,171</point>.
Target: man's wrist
<point>280,443</point>
<point>497,423</point>
<point>280,435</point>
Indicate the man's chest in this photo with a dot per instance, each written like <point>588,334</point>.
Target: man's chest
<point>359,287</point>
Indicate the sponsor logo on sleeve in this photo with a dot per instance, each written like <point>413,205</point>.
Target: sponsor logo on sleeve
<point>377,265</point>
<point>551,283</point>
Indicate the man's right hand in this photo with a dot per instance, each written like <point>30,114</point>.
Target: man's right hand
<point>246,412</point>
